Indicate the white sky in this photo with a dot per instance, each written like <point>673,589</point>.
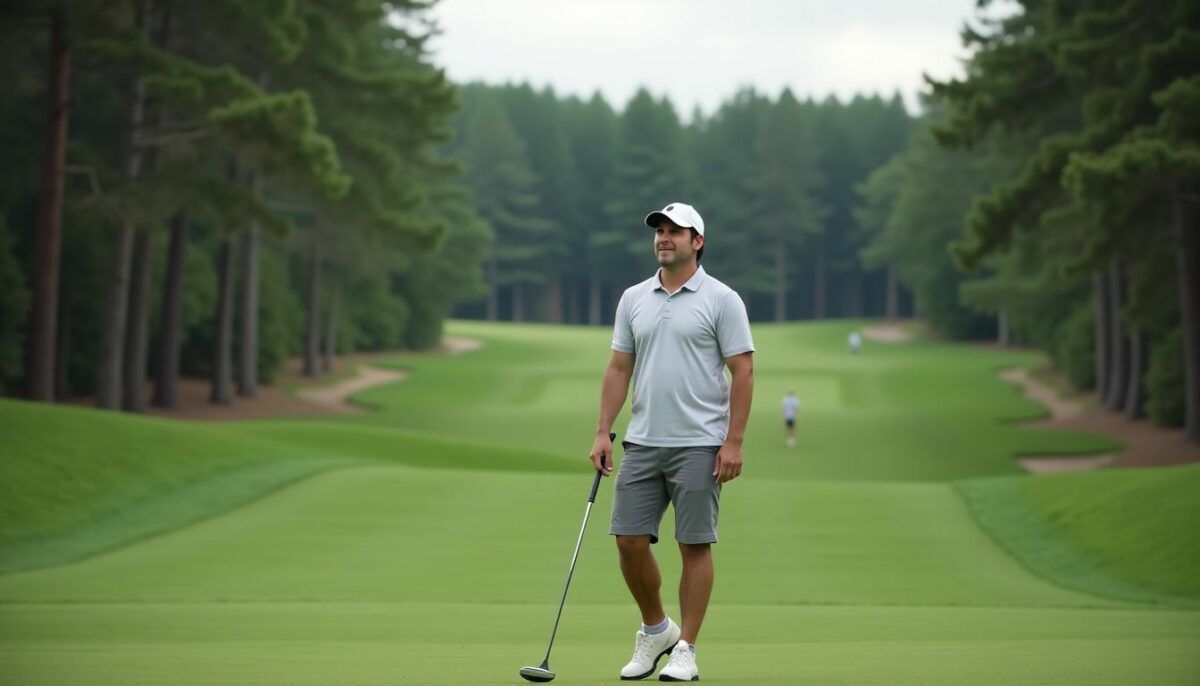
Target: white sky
<point>699,52</point>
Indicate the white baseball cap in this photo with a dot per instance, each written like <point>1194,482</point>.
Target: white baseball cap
<point>682,214</point>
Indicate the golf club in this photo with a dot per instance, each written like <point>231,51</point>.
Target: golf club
<point>542,673</point>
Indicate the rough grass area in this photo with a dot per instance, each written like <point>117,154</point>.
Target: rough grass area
<point>1131,534</point>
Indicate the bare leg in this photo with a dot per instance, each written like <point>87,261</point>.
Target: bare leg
<point>695,587</point>
<point>640,570</point>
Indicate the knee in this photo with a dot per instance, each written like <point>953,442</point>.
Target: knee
<point>632,547</point>
<point>695,551</point>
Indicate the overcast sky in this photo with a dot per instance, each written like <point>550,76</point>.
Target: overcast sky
<point>699,52</point>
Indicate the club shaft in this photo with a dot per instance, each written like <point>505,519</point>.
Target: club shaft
<point>570,572</point>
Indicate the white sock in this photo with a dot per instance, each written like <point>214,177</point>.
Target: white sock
<point>657,628</point>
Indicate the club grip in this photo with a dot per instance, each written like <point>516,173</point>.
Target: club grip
<point>596,481</point>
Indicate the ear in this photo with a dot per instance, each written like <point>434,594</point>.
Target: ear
<point>697,245</point>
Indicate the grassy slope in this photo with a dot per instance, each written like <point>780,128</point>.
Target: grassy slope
<point>76,481</point>
<point>1131,534</point>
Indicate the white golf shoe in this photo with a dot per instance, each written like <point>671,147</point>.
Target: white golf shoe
<point>682,665</point>
<point>647,650</point>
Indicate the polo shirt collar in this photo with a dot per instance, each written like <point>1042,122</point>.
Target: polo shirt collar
<point>692,284</point>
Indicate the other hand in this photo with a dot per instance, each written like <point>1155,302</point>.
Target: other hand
<point>728,463</point>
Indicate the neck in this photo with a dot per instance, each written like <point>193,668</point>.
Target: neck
<point>673,278</point>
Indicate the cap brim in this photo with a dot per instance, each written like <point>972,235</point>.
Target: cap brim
<point>655,218</point>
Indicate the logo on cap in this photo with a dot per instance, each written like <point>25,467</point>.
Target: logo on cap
<point>669,208</point>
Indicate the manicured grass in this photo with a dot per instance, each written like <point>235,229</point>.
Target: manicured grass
<point>1132,534</point>
<point>916,411</point>
<point>419,644</point>
<point>393,533</point>
<point>426,543</point>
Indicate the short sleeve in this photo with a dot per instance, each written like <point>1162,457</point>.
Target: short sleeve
<point>622,340</point>
<point>733,327</point>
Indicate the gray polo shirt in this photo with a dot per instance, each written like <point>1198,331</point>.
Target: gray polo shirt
<point>680,342</point>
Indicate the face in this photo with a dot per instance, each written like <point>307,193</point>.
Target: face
<point>674,245</point>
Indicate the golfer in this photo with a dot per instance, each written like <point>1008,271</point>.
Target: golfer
<point>674,336</point>
<point>790,406</point>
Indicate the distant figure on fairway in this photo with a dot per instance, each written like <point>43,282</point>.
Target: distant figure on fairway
<point>674,336</point>
<point>854,342</point>
<point>791,405</point>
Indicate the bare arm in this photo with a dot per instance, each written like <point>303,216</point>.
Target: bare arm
<point>729,458</point>
<point>612,397</point>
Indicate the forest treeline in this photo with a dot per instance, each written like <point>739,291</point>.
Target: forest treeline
<point>1047,198</point>
<point>208,188</point>
<point>241,182</point>
<point>565,184</point>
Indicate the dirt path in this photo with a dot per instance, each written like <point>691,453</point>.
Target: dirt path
<point>307,398</point>
<point>337,396</point>
<point>1060,408</point>
<point>1146,444</point>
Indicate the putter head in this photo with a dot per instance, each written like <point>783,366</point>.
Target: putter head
<point>538,674</point>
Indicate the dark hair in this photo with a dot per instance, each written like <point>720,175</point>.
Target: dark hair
<point>700,252</point>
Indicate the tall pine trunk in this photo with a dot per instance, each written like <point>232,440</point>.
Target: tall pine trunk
<point>1135,394</point>
<point>1118,368</point>
<point>554,300</point>
<point>112,346</point>
<point>518,302</point>
<point>222,369</point>
<point>493,301</point>
<point>819,280</point>
<point>594,317</point>
<point>62,381</point>
<point>854,296</point>
<point>48,250</point>
<point>1102,329</point>
<point>780,280</point>
<point>1187,227</point>
<point>166,371</point>
<point>313,332</point>
<point>134,363</point>
<point>331,332</point>
<point>573,316</point>
<point>893,293</point>
<point>248,342</point>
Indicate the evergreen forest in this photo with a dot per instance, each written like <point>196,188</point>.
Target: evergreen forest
<point>210,189</point>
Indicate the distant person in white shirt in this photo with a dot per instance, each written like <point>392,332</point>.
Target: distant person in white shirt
<point>855,342</point>
<point>791,405</point>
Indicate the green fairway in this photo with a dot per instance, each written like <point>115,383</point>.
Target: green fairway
<point>445,643</point>
<point>426,542</point>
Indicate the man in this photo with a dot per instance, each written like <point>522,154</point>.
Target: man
<point>674,336</point>
<point>854,342</point>
<point>791,405</point>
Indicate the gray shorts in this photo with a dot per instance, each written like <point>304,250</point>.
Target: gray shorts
<point>649,478</point>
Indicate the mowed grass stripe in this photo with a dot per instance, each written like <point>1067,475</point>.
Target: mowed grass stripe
<point>391,533</point>
<point>919,411</point>
<point>440,643</point>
